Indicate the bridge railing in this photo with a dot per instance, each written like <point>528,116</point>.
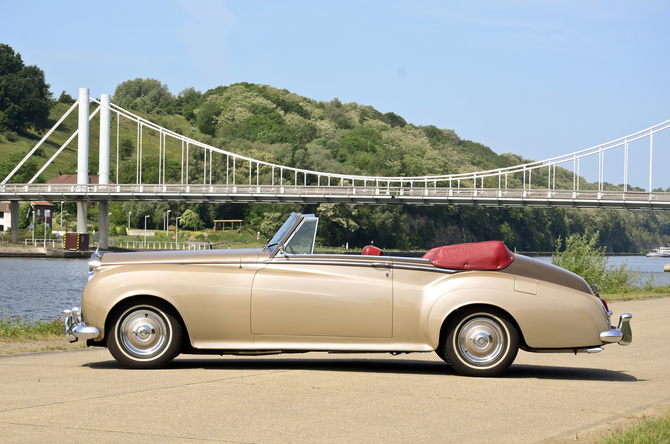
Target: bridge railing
<point>159,192</point>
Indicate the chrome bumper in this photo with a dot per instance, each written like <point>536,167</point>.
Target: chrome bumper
<point>623,335</point>
<point>75,328</point>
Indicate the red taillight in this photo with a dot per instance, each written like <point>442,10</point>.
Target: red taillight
<point>604,302</point>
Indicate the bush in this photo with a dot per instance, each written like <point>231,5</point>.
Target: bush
<point>584,257</point>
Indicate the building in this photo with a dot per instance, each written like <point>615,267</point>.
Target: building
<point>5,217</point>
<point>43,213</point>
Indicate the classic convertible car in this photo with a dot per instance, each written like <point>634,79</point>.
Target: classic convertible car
<point>473,304</point>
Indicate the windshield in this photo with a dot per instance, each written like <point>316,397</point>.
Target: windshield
<point>281,233</point>
<point>302,241</point>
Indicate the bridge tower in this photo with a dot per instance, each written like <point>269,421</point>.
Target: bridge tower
<point>103,215</point>
<point>82,159</point>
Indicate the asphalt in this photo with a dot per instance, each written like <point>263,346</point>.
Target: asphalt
<point>85,396</point>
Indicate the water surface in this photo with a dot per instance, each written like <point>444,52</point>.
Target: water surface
<point>40,288</point>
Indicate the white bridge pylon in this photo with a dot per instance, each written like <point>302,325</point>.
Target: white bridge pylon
<point>269,182</point>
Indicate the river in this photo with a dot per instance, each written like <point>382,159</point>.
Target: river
<point>40,288</point>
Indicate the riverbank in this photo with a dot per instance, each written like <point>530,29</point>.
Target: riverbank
<point>23,251</point>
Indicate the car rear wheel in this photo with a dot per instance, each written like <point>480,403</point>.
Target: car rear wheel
<point>144,334</point>
<point>480,342</point>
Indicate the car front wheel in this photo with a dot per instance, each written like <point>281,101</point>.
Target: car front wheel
<point>480,342</point>
<point>145,334</point>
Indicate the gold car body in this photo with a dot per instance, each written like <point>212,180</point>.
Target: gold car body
<point>252,300</point>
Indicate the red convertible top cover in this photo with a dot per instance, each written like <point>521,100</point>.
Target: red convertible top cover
<point>491,255</point>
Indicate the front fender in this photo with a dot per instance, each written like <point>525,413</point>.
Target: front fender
<point>213,300</point>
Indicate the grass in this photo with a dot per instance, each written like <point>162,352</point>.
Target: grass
<point>17,328</point>
<point>650,431</point>
<point>648,291</point>
<point>18,335</point>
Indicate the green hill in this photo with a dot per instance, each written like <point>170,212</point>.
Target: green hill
<point>281,127</point>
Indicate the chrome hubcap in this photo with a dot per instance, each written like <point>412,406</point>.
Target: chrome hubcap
<point>143,333</point>
<point>481,341</point>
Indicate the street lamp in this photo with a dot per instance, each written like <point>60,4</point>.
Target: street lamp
<point>61,215</point>
<point>176,232</point>
<point>33,223</point>
<point>145,230</point>
<point>129,222</point>
<point>168,221</point>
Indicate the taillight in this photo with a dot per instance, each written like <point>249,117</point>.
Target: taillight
<point>604,302</point>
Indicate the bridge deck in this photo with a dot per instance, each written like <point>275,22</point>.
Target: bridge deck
<point>369,195</point>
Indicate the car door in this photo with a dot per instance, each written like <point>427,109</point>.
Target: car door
<point>323,295</point>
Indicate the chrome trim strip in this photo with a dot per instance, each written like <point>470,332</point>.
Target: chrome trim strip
<point>290,261</point>
<point>425,268</point>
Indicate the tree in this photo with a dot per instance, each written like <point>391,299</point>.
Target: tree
<point>24,94</point>
<point>24,214</point>
<point>190,220</point>
<point>145,94</point>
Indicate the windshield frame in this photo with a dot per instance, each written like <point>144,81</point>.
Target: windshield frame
<point>282,232</point>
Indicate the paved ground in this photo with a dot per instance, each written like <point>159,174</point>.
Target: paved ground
<point>84,396</point>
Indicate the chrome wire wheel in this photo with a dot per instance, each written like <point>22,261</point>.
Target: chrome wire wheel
<point>481,341</point>
<point>144,333</point>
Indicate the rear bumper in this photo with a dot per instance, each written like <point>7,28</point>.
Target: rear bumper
<point>75,328</point>
<point>623,335</point>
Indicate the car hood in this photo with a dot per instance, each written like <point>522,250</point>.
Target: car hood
<point>184,257</point>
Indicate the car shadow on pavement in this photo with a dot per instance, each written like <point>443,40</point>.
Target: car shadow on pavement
<point>375,365</point>
<point>567,373</point>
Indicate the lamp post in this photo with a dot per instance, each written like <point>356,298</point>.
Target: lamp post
<point>145,230</point>
<point>61,215</point>
<point>176,232</point>
<point>129,212</point>
<point>168,222</point>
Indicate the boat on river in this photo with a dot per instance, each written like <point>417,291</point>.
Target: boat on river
<point>660,252</point>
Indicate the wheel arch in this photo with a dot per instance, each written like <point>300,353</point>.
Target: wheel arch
<point>455,312</point>
<point>144,298</point>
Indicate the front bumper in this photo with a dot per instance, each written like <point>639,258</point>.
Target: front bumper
<point>75,328</point>
<point>622,335</point>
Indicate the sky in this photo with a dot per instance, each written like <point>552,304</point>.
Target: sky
<point>539,79</point>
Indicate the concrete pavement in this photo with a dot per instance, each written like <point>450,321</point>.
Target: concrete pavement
<point>85,396</point>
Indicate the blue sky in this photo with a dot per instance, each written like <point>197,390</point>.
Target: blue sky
<point>533,78</point>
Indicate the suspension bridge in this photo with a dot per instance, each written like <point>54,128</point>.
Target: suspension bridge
<point>269,182</point>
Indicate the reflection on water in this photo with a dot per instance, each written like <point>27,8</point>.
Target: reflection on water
<point>40,288</point>
<point>650,268</point>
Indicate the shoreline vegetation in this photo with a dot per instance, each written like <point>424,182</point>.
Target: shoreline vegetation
<point>18,335</point>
